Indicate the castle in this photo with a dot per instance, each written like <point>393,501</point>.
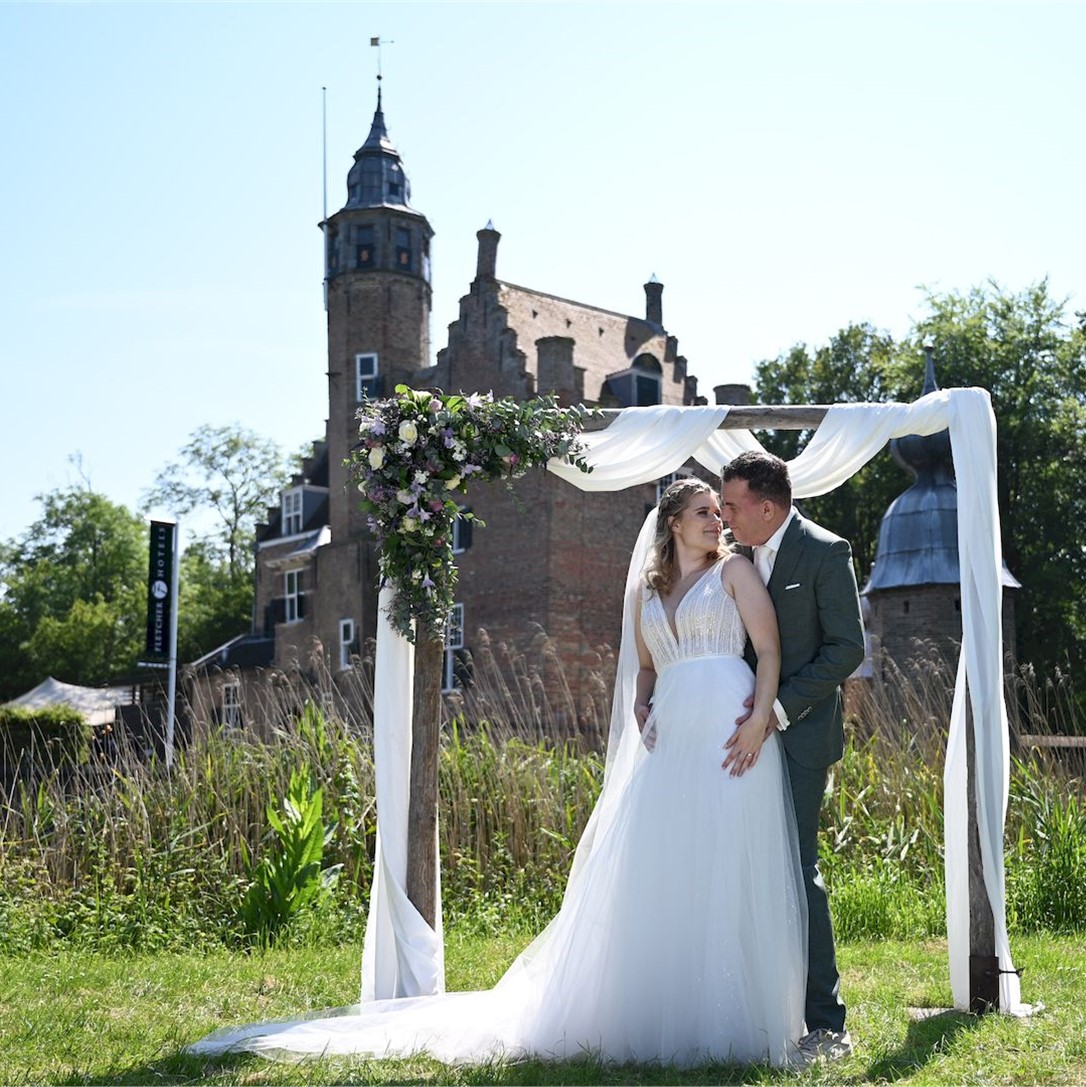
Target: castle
<point>551,558</point>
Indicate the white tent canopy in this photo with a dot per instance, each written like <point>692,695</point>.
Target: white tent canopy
<point>98,705</point>
<point>403,955</point>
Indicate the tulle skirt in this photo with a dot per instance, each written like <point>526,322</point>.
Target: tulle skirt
<point>681,938</point>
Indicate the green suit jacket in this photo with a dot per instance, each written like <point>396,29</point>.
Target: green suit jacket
<point>813,588</point>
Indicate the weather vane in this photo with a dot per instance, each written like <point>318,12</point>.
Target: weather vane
<point>376,43</point>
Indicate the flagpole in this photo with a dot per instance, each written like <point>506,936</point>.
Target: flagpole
<point>171,688</point>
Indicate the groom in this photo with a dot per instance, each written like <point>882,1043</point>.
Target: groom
<point>809,575</point>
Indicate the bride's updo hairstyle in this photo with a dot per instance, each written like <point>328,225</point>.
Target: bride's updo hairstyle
<point>660,573</point>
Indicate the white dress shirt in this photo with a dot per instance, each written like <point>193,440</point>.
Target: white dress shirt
<point>765,556</point>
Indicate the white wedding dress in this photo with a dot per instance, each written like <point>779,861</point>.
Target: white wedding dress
<point>682,934</point>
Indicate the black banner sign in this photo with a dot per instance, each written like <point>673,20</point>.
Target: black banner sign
<point>160,590</point>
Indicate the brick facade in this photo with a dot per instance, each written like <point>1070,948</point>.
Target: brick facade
<point>550,558</point>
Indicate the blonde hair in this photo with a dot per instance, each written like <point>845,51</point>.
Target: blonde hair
<point>660,574</point>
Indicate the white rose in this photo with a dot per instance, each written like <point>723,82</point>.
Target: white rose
<point>405,498</point>
<point>377,457</point>
<point>453,483</point>
<point>409,433</point>
<point>410,524</point>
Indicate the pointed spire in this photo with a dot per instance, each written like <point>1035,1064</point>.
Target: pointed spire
<point>377,177</point>
<point>927,457</point>
<point>378,139</point>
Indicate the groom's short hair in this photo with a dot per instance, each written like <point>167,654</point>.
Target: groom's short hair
<point>766,476</point>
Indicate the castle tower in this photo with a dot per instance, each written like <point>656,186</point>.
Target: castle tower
<point>914,591</point>
<point>377,280</point>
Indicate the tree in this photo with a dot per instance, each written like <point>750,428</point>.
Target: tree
<point>71,602</point>
<point>215,603</point>
<point>231,471</point>
<point>851,368</point>
<point>234,474</point>
<point>1020,348</point>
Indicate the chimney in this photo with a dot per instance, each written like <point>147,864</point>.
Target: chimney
<point>654,306</point>
<point>487,264</point>
<point>555,372</point>
<point>735,395</point>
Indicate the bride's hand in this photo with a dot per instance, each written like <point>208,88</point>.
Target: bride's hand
<point>771,726</point>
<point>648,735</point>
<point>744,746</point>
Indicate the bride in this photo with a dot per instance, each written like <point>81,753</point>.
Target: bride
<point>681,936</point>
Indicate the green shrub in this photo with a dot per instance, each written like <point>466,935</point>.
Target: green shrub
<point>47,738</point>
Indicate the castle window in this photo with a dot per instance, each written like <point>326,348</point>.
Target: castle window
<point>403,249</point>
<point>293,596</point>
<point>348,646</point>
<point>395,184</point>
<point>363,247</point>
<point>454,643</point>
<point>292,512</point>
<point>365,376</point>
<point>461,532</point>
<point>664,482</point>
<point>231,704</point>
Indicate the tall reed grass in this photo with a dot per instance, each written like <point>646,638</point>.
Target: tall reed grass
<point>123,854</point>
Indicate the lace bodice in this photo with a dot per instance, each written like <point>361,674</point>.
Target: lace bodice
<point>707,622</point>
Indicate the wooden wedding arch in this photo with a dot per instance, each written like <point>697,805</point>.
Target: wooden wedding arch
<point>403,952</point>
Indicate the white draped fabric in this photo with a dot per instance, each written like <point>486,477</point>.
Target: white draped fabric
<point>403,956</point>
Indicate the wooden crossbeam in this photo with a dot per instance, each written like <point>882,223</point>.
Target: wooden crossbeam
<point>745,417</point>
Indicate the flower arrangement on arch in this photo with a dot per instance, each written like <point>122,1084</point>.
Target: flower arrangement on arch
<point>418,451</point>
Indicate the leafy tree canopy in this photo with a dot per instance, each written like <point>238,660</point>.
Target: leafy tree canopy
<point>71,603</point>
<point>1023,350</point>
<point>233,473</point>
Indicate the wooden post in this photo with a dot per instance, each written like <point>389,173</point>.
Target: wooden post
<point>422,811</point>
<point>983,963</point>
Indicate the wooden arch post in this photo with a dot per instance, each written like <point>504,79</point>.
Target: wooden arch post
<point>422,844</point>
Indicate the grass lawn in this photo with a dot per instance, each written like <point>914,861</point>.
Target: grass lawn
<point>74,1017</point>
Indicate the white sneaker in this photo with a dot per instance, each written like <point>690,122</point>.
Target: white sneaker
<point>825,1045</point>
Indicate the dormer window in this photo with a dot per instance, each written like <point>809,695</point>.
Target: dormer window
<point>639,386</point>
<point>648,381</point>
<point>395,185</point>
<point>292,512</point>
<point>365,377</point>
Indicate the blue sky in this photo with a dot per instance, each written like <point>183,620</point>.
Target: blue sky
<point>784,169</point>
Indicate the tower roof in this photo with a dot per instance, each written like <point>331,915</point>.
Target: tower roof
<point>377,178</point>
<point>918,537</point>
